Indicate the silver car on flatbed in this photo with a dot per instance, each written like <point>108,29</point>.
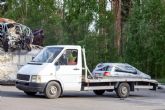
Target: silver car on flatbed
<point>118,70</point>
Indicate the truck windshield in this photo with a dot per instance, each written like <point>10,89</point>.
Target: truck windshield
<point>47,55</point>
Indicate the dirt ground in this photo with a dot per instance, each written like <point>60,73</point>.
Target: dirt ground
<point>14,99</point>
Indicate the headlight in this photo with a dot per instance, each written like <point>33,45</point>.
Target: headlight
<point>36,78</point>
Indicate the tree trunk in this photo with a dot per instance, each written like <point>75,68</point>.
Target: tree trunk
<point>116,4</point>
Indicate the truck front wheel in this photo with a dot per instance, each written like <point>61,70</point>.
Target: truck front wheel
<point>99,92</point>
<point>123,90</point>
<point>52,90</point>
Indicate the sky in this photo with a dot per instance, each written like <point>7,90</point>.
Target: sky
<point>95,17</point>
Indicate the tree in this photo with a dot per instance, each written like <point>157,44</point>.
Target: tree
<point>145,36</point>
<point>118,29</point>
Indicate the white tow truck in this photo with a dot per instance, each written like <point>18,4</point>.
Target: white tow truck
<point>60,68</point>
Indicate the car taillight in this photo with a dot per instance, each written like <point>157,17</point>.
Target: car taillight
<point>107,73</point>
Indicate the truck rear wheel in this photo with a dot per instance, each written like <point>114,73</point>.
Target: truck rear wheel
<point>123,90</point>
<point>99,92</point>
<point>52,90</point>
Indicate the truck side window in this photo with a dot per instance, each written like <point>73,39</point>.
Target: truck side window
<point>69,57</point>
<point>62,60</point>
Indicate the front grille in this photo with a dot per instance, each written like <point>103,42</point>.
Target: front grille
<point>23,77</point>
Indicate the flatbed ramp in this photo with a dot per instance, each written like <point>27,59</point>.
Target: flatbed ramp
<point>111,83</point>
<point>120,79</point>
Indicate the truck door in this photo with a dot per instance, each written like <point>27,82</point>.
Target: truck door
<point>69,69</point>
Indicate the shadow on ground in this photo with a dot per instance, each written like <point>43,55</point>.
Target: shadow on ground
<point>20,94</point>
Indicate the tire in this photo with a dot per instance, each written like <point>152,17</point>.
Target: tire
<point>30,93</point>
<point>53,90</point>
<point>99,92</point>
<point>123,90</point>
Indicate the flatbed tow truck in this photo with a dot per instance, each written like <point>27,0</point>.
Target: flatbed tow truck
<point>52,73</point>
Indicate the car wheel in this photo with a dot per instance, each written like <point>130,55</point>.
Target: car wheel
<point>30,93</point>
<point>99,92</point>
<point>123,90</point>
<point>52,90</point>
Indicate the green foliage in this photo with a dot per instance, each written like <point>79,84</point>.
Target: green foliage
<point>145,37</point>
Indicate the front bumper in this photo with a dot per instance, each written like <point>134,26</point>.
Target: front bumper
<point>30,86</point>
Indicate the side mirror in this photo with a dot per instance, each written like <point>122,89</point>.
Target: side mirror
<point>57,63</point>
<point>32,57</point>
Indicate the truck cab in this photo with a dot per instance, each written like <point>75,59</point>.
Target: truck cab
<point>59,64</point>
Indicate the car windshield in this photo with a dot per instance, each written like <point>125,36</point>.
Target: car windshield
<point>47,55</point>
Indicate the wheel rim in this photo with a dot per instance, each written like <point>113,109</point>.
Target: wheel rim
<point>124,90</point>
<point>53,90</point>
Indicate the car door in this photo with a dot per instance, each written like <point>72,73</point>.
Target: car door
<point>70,73</point>
<point>119,72</point>
<point>124,70</point>
<point>130,70</point>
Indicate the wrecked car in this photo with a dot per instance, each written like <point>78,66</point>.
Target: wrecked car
<point>15,36</point>
<point>118,70</point>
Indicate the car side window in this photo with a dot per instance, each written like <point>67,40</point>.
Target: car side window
<point>69,57</point>
<point>126,69</point>
<point>102,69</point>
<point>118,69</point>
<point>105,68</point>
<point>131,69</point>
<point>109,68</point>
